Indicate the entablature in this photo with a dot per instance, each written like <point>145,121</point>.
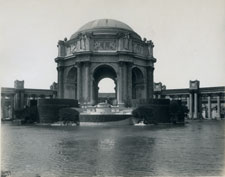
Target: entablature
<point>100,42</point>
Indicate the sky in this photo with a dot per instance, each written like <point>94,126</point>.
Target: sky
<point>189,37</point>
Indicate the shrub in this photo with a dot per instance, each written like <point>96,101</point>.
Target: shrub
<point>145,114</point>
<point>69,115</point>
<point>177,111</point>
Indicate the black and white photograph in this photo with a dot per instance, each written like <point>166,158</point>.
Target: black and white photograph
<point>112,88</point>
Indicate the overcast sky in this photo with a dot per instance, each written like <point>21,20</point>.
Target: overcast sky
<point>189,37</point>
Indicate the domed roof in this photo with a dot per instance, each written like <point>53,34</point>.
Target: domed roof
<point>103,24</point>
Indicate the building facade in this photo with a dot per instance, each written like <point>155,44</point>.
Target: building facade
<point>205,102</point>
<point>109,48</point>
<point>18,98</point>
<point>100,49</point>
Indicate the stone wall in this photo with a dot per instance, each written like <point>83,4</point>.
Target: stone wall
<point>103,117</point>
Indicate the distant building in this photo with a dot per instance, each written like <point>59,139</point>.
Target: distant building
<point>19,97</point>
<point>205,102</point>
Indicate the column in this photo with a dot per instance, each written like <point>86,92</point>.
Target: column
<point>91,90</point>
<point>195,105</point>
<point>120,85</point>
<point>12,106</point>
<point>188,102</point>
<point>60,81</point>
<point>124,82</point>
<point>21,99</point>
<point>191,106</point>
<point>218,107</point>
<point>79,84</point>
<point>129,83</point>
<point>17,100</point>
<point>209,107</point>
<point>28,100</point>
<point>151,89</point>
<point>146,84</point>
<point>86,77</point>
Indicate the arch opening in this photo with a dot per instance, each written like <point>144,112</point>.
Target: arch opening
<point>104,85</point>
<point>70,90</point>
<point>107,90</point>
<point>137,83</point>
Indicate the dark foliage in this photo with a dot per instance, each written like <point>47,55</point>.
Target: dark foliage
<point>177,111</point>
<point>28,114</point>
<point>69,115</point>
<point>145,114</point>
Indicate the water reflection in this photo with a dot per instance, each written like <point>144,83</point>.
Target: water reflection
<point>194,149</point>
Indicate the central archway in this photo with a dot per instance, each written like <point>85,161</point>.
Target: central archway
<point>101,72</point>
<point>107,91</point>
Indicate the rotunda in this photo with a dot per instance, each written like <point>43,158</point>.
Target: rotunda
<point>105,48</point>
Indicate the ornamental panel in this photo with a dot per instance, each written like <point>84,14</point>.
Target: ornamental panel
<point>104,45</point>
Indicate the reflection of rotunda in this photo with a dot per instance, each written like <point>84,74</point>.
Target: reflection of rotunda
<point>100,49</point>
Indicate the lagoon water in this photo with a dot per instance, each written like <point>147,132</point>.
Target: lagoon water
<point>197,148</point>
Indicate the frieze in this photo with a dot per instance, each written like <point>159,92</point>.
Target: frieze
<point>139,49</point>
<point>104,45</point>
<point>71,48</point>
<point>81,44</point>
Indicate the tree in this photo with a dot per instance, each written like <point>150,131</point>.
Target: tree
<point>177,111</point>
<point>145,114</point>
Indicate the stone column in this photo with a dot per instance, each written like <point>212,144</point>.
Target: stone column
<point>191,106</point>
<point>22,99</point>
<point>91,90</point>
<point>28,100</point>
<point>129,83</point>
<point>60,82</point>
<point>87,88</point>
<point>150,81</point>
<point>218,107</point>
<point>79,83</point>
<point>209,107</point>
<point>188,102</point>
<point>95,93</point>
<point>17,100</point>
<point>120,85</point>
<point>12,106</point>
<point>195,105</point>
<point>124,82</point>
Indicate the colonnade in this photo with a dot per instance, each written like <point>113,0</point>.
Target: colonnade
<point>17,98</point>
<point>194,104</point>
<point>121,73</point>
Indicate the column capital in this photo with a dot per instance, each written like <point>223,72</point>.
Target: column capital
<point>150,67</point>
<point>78,64</point>
<point>121,63</point>
<point>86,63</point>
<point>208,94</point>
<point>60,68</point>
<point>219,94</point>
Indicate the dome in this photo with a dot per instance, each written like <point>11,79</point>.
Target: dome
<point>102,24</point>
